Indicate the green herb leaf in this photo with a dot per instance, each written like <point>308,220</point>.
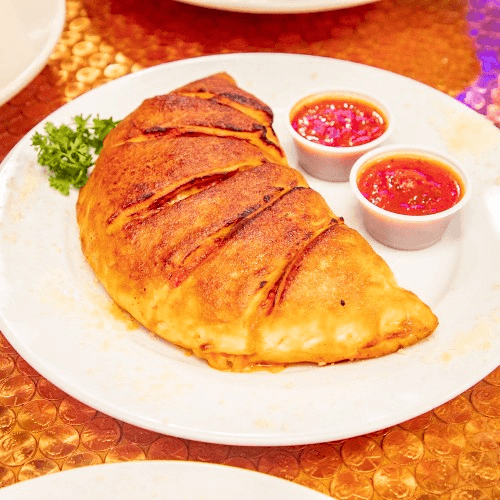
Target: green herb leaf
<point>68,152</point>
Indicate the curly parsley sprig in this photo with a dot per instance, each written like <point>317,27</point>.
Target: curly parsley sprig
<point>68,152</point>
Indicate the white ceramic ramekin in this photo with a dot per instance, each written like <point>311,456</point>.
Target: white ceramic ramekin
<point>333,163</point>
<point>407,232</point>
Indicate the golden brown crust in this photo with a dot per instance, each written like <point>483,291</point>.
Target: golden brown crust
<point>196,225</point>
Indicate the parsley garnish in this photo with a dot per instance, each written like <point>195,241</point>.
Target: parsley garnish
<point>68,152</point>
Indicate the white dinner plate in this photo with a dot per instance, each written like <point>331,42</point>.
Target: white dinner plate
<point>170,479</point>
<point>29,30</point>
<point>277,6</point>
<point>63,324</point>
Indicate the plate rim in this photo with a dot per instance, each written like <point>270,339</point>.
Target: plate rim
<point>104,475</point>
<point>283,7</point>
<point>38,63</point>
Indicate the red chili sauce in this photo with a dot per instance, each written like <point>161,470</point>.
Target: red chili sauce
<point>410,185</point>
<point>339,122</point>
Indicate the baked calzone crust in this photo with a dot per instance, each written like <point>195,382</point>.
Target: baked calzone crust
<point>196,225</point>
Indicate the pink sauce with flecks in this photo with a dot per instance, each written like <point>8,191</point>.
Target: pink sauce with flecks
<point>339,122</point>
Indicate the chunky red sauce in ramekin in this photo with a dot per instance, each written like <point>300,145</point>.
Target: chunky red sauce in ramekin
<point>339,122</point>
<point>410,185</point>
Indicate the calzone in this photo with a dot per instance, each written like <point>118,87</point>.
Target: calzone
<point>195,224</point>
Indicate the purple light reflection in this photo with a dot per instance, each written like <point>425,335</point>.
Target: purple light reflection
<point>484,27</point>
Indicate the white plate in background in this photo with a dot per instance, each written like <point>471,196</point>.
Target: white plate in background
<point>63,324</point>
<point>29,30</point>
<point>277,6</point>
<point>159,479</point>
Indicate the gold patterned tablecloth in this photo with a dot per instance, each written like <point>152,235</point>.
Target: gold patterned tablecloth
<point>452,452</point>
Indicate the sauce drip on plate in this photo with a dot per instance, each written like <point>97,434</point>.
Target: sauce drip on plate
<point>339,122</point>
<point>410,185</point>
